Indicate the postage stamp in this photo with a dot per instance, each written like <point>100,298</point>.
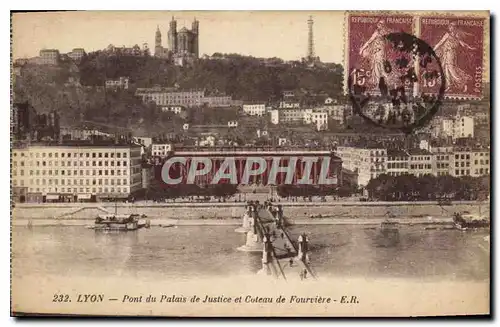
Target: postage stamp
<point>367,50</point>
<point>398,103</point>
<point>459,43</point>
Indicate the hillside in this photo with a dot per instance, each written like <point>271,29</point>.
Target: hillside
<point>246,78</point>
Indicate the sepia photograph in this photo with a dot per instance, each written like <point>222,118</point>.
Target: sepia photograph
<point>250,163</point>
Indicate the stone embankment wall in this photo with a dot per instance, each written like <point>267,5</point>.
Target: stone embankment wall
<point>72,211</point>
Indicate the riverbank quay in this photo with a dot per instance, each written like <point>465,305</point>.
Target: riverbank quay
<point>294,211</point>
<point>168,223</point>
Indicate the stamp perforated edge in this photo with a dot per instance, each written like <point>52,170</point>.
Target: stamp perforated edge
<point>346,35</point>
<point>485,15</point>
<point>11,125</point>
<point>417,16</point>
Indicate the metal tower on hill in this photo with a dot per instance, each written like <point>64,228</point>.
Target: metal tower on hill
<point>310,40</point>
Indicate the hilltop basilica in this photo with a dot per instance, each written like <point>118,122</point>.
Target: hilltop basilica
<point>182,44</point>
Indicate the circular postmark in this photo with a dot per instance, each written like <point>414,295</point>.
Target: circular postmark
<point>385,88</point>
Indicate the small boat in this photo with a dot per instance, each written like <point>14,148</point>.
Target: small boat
<point>167,226</point>
<point>119,223</point>
<point>112,222</point>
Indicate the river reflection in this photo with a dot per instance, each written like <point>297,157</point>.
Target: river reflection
<point>187,252</point>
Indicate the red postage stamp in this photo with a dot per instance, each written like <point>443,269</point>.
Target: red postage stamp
<point>368,51</point>
<point>458,42</point>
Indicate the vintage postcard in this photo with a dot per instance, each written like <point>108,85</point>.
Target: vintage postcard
<point>338,165</point>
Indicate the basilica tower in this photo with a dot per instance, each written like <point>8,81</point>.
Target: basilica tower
<point>172,36</point>
<point>158,47</point>
<point>195,29</point>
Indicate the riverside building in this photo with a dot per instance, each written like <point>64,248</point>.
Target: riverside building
<point>75,172</point>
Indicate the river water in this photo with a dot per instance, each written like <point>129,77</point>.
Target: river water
<point>187,252</point>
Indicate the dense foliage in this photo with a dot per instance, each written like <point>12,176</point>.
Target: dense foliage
<point>159,191</point>
<point>242,77</point>
<point>78,94</point>
<point>428,187</point>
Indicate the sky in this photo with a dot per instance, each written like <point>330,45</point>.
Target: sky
<point>266,34</point>
<point>261,34</point>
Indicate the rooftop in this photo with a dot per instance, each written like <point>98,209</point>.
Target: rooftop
<point>78,143</point>
<point>418,151</point>
<point>397,153</point>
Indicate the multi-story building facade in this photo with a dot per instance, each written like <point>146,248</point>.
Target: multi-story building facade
<point>441,164</point>
<point>397,162</point>
<point>480,162</point>
<point>463,126</point>
<point>318,118</point>
<point>134,51</point>
<point>81,134</point>
<point>77,54</point>
<point>76,172</point>
<point>335,112</point>
<point>461,162</point>
<point>442,127</point>
<point>368,163</point>
<point>439,161</point>
<point>49,57</point>
<point>119,83</point>
<point>187,98</point>
<point>171,96</point>
<point>175,109</point>
<point>420,162</point>
<point>161,150</point>
<point>220,101</point>
<point>254,109</point>
<point>315,116</point>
